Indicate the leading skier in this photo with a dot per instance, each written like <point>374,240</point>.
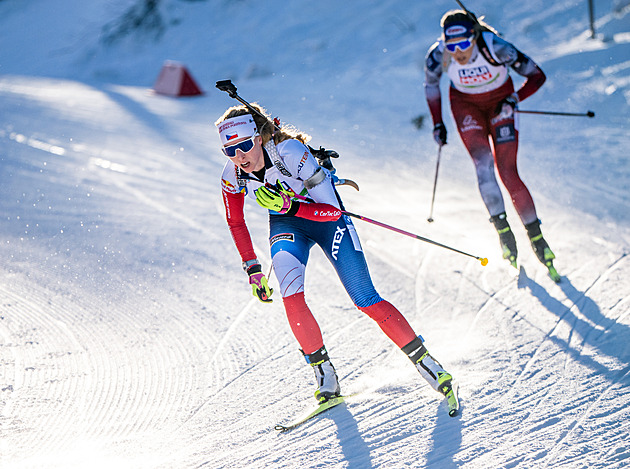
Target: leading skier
<point>270,165</point>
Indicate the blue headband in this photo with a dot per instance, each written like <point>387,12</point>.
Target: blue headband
<point>458,29</point>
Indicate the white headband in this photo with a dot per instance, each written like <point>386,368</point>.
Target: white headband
<point>237,127</point>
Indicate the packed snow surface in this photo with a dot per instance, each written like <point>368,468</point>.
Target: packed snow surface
<point>128,334</point>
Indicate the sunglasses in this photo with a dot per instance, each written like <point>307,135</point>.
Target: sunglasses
<point>244,146</point>
<point>463,44</point>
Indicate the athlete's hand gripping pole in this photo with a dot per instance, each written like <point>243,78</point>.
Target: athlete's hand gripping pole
<point>275,199</point>
<point>258,281</point>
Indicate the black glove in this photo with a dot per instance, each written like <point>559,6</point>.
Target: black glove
<point>439,133</point>
<point>507,105</point>
<point>323,157</point>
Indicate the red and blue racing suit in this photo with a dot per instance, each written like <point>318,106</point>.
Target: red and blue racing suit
<point>292,235</point>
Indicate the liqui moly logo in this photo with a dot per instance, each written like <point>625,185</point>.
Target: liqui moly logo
<point>475,76</point>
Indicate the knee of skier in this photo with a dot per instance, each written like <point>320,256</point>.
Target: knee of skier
<point>289,272</point>
<point>365,299</point>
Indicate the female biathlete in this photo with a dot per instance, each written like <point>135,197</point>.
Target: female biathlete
<point>272,165</point>
<point>483,102</point>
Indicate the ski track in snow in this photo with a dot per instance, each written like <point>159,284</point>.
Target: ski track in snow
<point>128,334</point>
<point>561,320</point>
<point>69,364</point>
<point>522,384</point>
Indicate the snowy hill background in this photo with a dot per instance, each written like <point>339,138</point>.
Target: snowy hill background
<point>128,335</point>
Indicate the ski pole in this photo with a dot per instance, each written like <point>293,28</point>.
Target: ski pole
<point>553,113</point>
<point>468,12</point>
<point>437,167</point>
<point>483,260</point>
<point>230,89</point>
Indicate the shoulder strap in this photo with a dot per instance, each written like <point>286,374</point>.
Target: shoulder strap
<point>446,60</point>
<point>485,51</point>
<point>241,178</point>
<point>272,151</point>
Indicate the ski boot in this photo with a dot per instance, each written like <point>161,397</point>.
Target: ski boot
<point>506,237</point>
<point>429,367</point>
<point>541,248</point>
<point>325,375</point>
<point>431,370</point>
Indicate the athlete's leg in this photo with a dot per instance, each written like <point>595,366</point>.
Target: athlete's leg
<point>474,132</point>
<point>391,321</point>
<point>344,252</point>
<point>303,323</point>
<point>353,271</point>
<point>505,135</point>
<point>343,249</point>
<point>289,253</point>
<point>505,140</point>
<point>474,128</point>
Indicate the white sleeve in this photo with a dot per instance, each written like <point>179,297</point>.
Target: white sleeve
<point>303,165</point>
<point>298,159</point>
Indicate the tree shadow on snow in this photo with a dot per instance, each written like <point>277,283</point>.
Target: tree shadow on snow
<point>155,124</point>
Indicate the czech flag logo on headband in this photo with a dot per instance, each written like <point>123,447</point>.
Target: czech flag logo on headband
<point>237,127</point>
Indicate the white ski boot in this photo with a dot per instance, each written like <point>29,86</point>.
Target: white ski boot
<point>325,375</point>
<point>429,368</point>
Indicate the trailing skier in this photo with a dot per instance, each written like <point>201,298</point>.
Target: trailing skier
<point>483,102</point>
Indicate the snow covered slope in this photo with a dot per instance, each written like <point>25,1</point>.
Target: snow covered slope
<point>128,334</point>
